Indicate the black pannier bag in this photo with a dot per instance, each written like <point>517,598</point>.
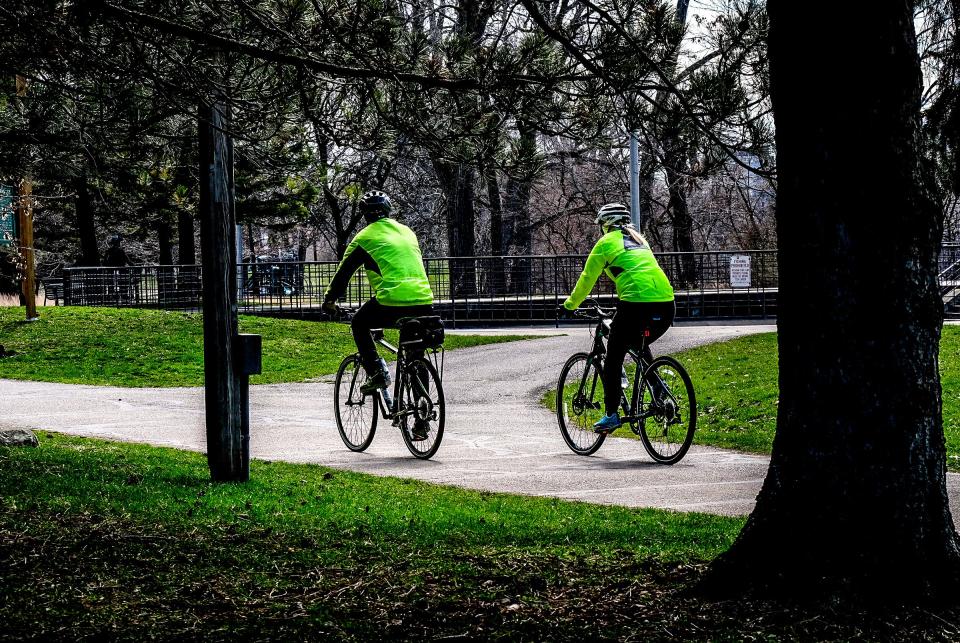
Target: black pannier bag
<point>424,332</point>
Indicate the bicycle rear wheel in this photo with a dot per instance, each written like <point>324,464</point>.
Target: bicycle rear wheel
<point>580,404</point>
<point>667,394</point>
<point>355,412</point>
<point>421,408</point>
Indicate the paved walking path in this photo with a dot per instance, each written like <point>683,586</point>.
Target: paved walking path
<point>498,437</point>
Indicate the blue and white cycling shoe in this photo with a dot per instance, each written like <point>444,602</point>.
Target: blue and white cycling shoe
<point>607,423</point>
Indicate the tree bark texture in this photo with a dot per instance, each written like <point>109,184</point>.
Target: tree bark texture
<point>518,230</point>
<point>186,247</point>
<point>668,120</point>
<point>166,285</point>
<point>164,243</point>
<point>86,230</point>
<point>457,181</point>
<point>227,448</point>
<point>855,499</point>
<point>681,223</point>
<point>497,277</point>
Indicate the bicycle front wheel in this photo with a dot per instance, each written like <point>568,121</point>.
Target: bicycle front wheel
<point>356,413</point>
<point>421,408</point>
<point>668,401</point>
<point>580,404</point>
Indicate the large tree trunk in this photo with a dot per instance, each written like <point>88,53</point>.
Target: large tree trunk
<point>164,243</point>
<point>651,165</point>
<point>166,286</point>
<point>518,231</point>
<point>681,223</point>
<point>855,499</point>
<point>186,243</point>
<point>86,229</point>
<point>457,181</point>
<point>497,275</point>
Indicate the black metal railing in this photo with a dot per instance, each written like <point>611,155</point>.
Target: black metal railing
<point>469,289</point>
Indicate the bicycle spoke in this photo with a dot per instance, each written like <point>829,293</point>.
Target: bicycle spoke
<point>668,399</point>
<point>356,414</point>
<point>580,404</point>
<point>422,420</point>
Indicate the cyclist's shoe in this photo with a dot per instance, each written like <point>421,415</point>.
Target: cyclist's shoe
<point>374,383</point>
<point>607,423</point>
<point>421,431</point>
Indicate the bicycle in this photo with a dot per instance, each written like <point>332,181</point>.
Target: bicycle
<point>416,406</point>
<point>662,405</point>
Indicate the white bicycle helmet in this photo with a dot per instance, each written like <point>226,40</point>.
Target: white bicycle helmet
<point>612,215</point>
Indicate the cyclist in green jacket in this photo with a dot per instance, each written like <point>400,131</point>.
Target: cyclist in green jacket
<point>391,255</point>
<point>645,298</point>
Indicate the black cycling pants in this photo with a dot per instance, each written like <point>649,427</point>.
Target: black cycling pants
<point>626,331</point>
<point>373,314</point>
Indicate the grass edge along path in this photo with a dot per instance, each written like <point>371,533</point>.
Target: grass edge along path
<point>102,540</point>
<point>736,383</point>
<point>138,347</point>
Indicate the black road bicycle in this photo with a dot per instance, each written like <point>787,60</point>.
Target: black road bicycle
<point>416,404</point>
<point>660,405</point>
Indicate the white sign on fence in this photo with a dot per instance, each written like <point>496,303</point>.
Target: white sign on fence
<point>740,271</point>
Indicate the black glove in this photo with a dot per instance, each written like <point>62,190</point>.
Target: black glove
<point>564,313</point>
<point>330,308</point>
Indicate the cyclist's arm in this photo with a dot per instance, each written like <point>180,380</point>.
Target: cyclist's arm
<point>353,258</point>
<point>591,272</point>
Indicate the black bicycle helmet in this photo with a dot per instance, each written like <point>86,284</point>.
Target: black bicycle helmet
<point>375,205</point>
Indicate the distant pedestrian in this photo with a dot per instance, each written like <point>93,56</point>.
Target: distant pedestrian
<point>116,256</point>
<point>121,281</point>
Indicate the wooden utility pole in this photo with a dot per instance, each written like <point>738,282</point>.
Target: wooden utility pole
<point>25,223</point>
<point>226,364</point>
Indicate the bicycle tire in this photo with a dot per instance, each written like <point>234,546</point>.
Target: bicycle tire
<point>428,407</point>
<point>358,432</point>
<point>580,437</point>
<point>664,446</point>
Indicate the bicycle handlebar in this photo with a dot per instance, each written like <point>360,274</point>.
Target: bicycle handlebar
<point>595,311</point>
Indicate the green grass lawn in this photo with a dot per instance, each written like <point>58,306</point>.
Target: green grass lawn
<point>736,386</point>
<point>102,540</point>
<point>105,537</point>
<point>130,347</point>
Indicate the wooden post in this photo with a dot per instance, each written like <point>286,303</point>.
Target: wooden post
<point>25,222</point>
<point>228,449</point>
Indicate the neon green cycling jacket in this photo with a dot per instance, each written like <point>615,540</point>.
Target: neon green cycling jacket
<point>630,265</point>
<point>391,255</point>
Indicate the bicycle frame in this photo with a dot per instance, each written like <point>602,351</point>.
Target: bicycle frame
<point>598,354</point>
<point>390,412</point>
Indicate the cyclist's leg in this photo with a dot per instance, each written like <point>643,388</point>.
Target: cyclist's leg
<point>370,315</point>
<point>656,317</point>
<point>617,344</point>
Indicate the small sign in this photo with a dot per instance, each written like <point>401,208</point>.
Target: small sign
<point>8,217</point>
<point>740,271</point>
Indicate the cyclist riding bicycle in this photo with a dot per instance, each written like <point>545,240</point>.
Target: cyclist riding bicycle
<point>391,255</point>
<point>645,299</point>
